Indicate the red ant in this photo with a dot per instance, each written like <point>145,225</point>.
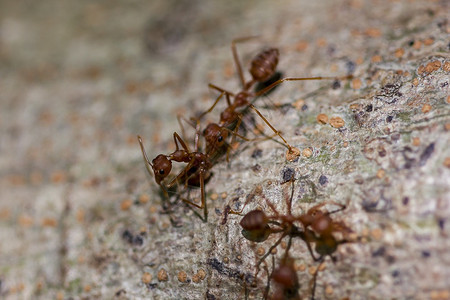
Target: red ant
<point>195,173</point>
<point>286,279</point>
<point>262,68</point>
<point>315,226</point>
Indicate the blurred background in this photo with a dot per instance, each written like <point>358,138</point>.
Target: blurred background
<point>79,80</point>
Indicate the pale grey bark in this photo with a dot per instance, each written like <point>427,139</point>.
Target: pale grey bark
<point>81,79</point>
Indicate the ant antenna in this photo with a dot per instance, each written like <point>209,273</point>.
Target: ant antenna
<point>148,164</point>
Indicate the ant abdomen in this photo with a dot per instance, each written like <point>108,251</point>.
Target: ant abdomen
<point>255,226</point>
<point>326,245</point>
<point>263,65</point>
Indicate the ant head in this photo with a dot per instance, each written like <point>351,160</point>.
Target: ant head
<point>254,220</point>
<point>286,279</point>
<point>215,135</point>
<point>161,167</point>
<point>286,275</point>
<point>255,226</point>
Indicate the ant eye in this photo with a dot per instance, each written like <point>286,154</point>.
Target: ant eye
<point>220,139</point>
<point>161,171</point>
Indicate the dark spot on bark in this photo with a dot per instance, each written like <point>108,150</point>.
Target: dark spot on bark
<point>257,153</point>
<point>390,259</point>
<point>389,93</point>
<point>128,236</point>
<point>441,223</point>
<point>389,119</point>
<point>408,164</point>
<point>239,192</point>
<point>407,149</point>
<point>372,203</point>
<point>411,42</point>
<point>369,108</point>
<point>210,296</point>
<point>350,66</point>
<point>336,84</point>
<point>379,252</point>
<point>138,240</point>
<point>304,107</point>
<point>405,200</point>
<point>359,180</point>
<point>287,174</point>
<point>256,168</point>
<point>395,273</point>
<point>151,286</point>
<point>426,253</point>
<point>331,49</point>
<point>395,136</point>
<point>426,154</point>
<point>217,211</point>
<point>369,205</point>
<point>120,292</point>
<point>382,152</point>
<point>229,272</point>
<point>323,180</point>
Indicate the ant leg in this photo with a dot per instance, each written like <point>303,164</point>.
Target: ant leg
<point>288,247</point>
<point>228,209</point>
<point>307,236</point>
<point>181,118</point>
<point>148,164</point>
<point>180,140</point>
<point>291,150</point>
<point>266,89</point>
<point>214,105</point>
<point>236,57</point>
<point>272,207</point>
<point>289,201</point>
<point>314,279</point>
<point>182,173</point>
<point>269,251</point>
<point>203,199</point>
<point>317,206</point>
<point>220,89</point>
<point>269,275</point>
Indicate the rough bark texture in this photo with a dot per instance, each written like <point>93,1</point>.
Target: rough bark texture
<point>79,79</point>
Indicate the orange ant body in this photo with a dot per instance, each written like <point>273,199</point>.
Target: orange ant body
<point>314,226</point>
<point>262,68</point>
<point>286,281</point>
<point>195,173</point>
